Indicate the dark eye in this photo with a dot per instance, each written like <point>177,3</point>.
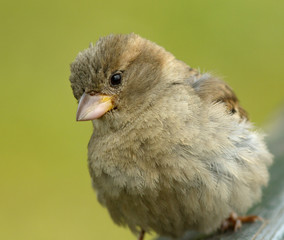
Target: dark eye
<point>115,79</point>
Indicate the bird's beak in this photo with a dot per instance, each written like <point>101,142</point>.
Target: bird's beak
<point>93,107</point>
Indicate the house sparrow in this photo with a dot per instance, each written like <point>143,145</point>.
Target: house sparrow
<point>171,150</point>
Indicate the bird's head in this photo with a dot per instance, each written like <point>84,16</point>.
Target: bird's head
<point>117,76</point>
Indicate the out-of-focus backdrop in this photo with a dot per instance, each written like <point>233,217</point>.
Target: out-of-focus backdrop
<point>44,181</point>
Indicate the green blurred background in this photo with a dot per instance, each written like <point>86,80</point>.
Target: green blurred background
<point>45,186</point>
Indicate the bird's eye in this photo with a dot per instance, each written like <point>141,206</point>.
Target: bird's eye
<point>115,79</point>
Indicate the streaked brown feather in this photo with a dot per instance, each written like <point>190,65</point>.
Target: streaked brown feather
<point>212,89</point>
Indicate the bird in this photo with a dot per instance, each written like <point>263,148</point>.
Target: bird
<point>171,150</point>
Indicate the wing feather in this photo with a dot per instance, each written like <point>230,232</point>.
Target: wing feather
<point>212,89</point>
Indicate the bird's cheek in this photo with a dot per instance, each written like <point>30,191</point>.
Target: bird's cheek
<point>93,107</point>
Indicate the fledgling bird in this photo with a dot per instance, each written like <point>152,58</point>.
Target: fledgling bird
<point>171,150</point>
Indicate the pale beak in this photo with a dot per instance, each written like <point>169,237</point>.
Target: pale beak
<point>93,107</point>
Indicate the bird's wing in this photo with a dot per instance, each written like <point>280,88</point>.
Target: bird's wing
<point>212,89</point>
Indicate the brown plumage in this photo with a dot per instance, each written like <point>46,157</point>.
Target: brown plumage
<point>212,89</point>
<point>171,149</point>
